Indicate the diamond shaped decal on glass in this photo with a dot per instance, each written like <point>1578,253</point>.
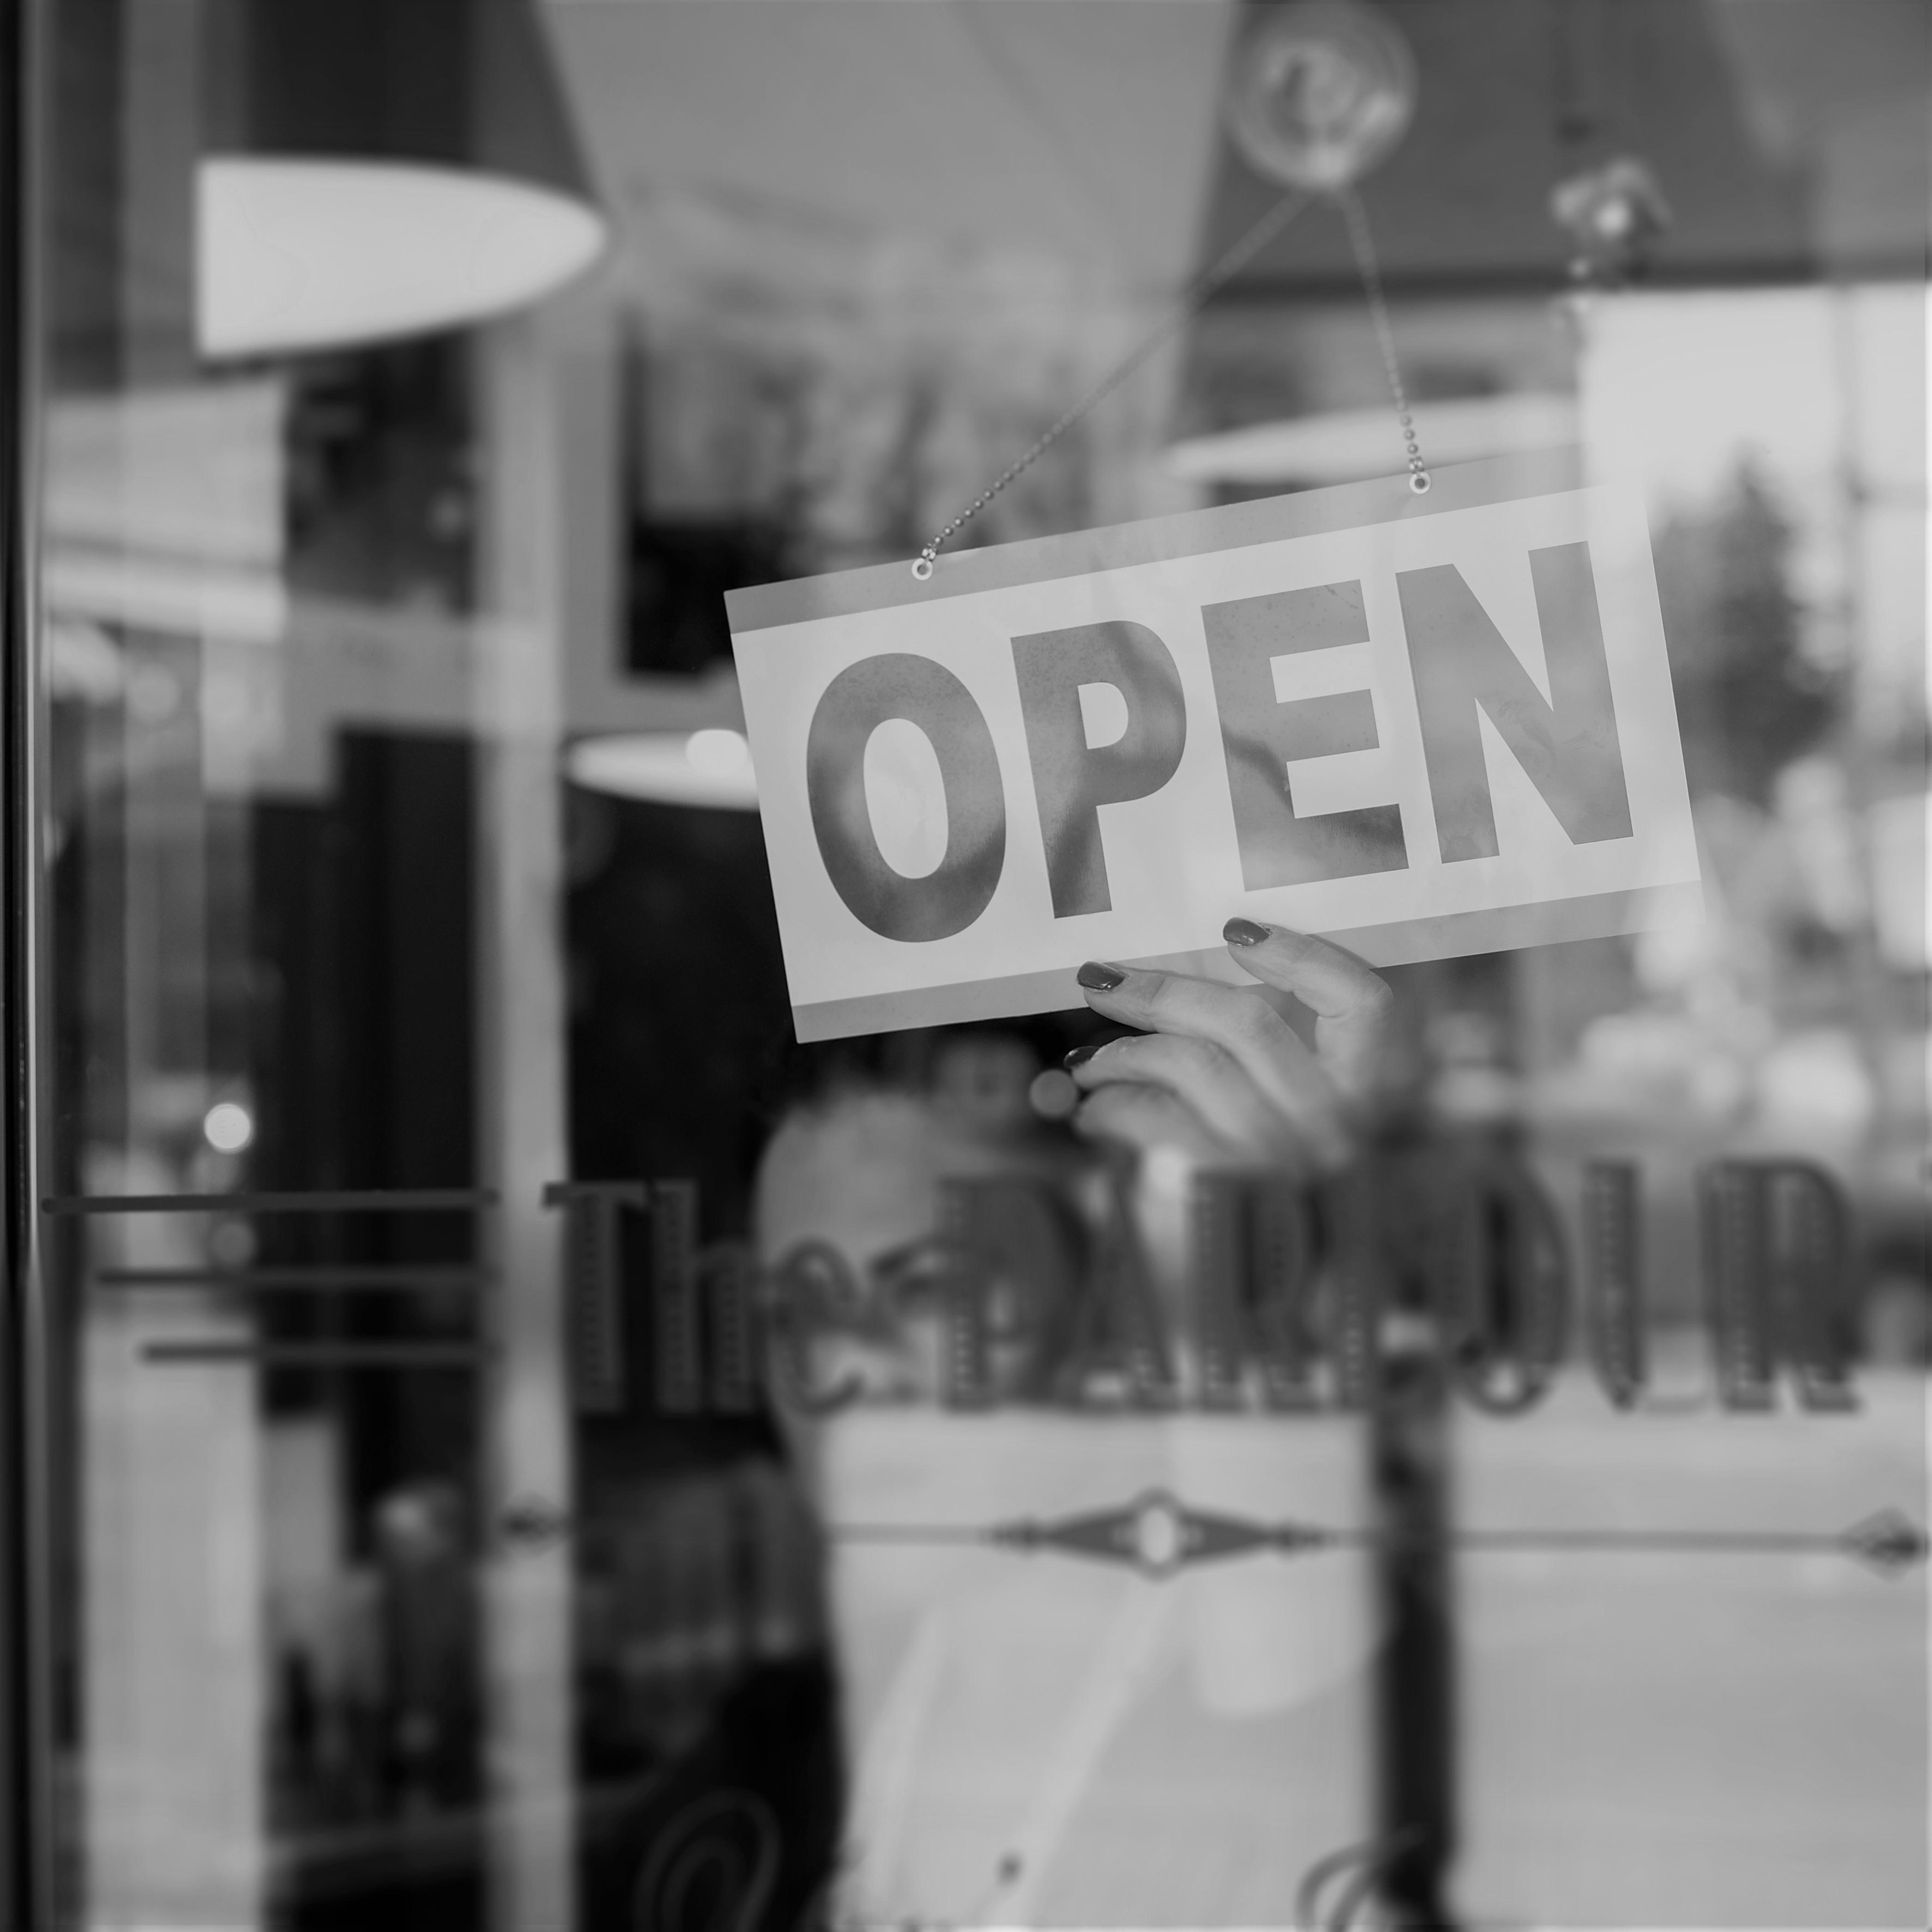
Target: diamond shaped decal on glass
<point>1889,1542</point>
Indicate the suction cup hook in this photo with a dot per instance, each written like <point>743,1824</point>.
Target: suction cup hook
<point>1323,90</point>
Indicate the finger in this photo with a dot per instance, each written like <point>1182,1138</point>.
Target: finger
<point>1242,1023</point>
<point>1148,1117</point>
<point>1204,1077</point>
<point>1352,1004</point>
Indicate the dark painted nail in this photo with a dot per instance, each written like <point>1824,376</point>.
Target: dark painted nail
<point>1244,932</point>
<point>1079,1056</point>
<point>1101,978</point>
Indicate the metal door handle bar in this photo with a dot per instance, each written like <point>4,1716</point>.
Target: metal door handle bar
<point>374,1278</point>
<point>324,1355</point>
<point>358,1200</point>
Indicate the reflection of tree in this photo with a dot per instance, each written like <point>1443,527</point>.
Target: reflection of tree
<point>1748,699</point>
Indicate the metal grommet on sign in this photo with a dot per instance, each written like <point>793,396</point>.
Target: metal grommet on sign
<point>921,568</point>
<point>1419,482</point>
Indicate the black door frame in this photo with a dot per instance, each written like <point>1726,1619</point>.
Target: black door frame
<point>26,1755</point>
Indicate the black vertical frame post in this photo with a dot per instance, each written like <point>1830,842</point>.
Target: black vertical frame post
<point>25,1760</point>
<point>1415,1699</point>
<point>1412,1193</point>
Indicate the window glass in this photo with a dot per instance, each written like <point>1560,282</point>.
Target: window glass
<point>536,1445</point>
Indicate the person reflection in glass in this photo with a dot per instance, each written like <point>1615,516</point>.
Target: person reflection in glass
<point>1038,1738</point>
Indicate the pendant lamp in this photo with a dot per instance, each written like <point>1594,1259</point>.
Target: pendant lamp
<point>711,766</point>
<point>382,168</point>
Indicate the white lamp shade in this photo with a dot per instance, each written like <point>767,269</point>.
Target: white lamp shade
<point>295,254</point>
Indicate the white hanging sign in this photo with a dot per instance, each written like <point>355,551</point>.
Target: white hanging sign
<point>1422,726</point>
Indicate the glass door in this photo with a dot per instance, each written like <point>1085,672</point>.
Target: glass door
<point>499,1433</point>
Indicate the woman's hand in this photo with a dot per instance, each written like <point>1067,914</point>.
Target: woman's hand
<point>1218,1073</point>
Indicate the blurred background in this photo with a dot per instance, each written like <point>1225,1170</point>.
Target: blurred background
<point>415,377</point>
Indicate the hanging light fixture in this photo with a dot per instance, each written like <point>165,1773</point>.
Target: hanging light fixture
<point>382,168</point>
<point>711,766</point>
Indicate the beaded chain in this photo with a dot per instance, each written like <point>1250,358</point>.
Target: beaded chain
<point>1271,223</point>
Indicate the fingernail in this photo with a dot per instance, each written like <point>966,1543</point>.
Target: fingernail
<point>1244,932</point>
<point>1079,1056</point>
<point>1100,977</point>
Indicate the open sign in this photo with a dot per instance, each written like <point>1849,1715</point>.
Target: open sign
<point>1419,726</point>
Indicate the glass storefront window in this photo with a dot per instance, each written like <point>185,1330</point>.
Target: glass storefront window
<point>497,1440</point>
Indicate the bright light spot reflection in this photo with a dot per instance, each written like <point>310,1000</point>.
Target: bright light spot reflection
<point>228,1126</point>
<point>668,768</point>
<point>718,752</point>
